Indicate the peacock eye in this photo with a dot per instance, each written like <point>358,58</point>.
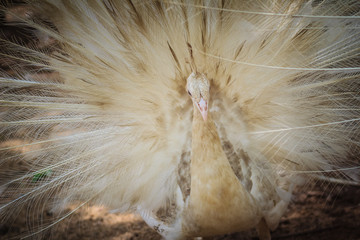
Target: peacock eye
<point>189,93</point>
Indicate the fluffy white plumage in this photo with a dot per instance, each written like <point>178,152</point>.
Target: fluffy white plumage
<point>114,127</point>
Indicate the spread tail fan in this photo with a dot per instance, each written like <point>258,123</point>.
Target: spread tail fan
<point>100,112</point>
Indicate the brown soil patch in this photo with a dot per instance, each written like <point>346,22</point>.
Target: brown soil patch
<point>323,212</point>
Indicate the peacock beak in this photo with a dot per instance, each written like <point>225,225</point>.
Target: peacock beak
<point>203,108</point>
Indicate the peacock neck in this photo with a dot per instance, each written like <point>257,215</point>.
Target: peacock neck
<point>218,202</point>
<point>203,133</point>
<point>207,152</point>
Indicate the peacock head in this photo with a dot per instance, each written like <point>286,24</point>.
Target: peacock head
<point>198,87</point>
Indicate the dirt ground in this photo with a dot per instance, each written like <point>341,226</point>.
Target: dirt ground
<point>320,212</point>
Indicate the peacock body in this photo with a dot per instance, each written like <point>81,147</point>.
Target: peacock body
<point>111,121</point>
